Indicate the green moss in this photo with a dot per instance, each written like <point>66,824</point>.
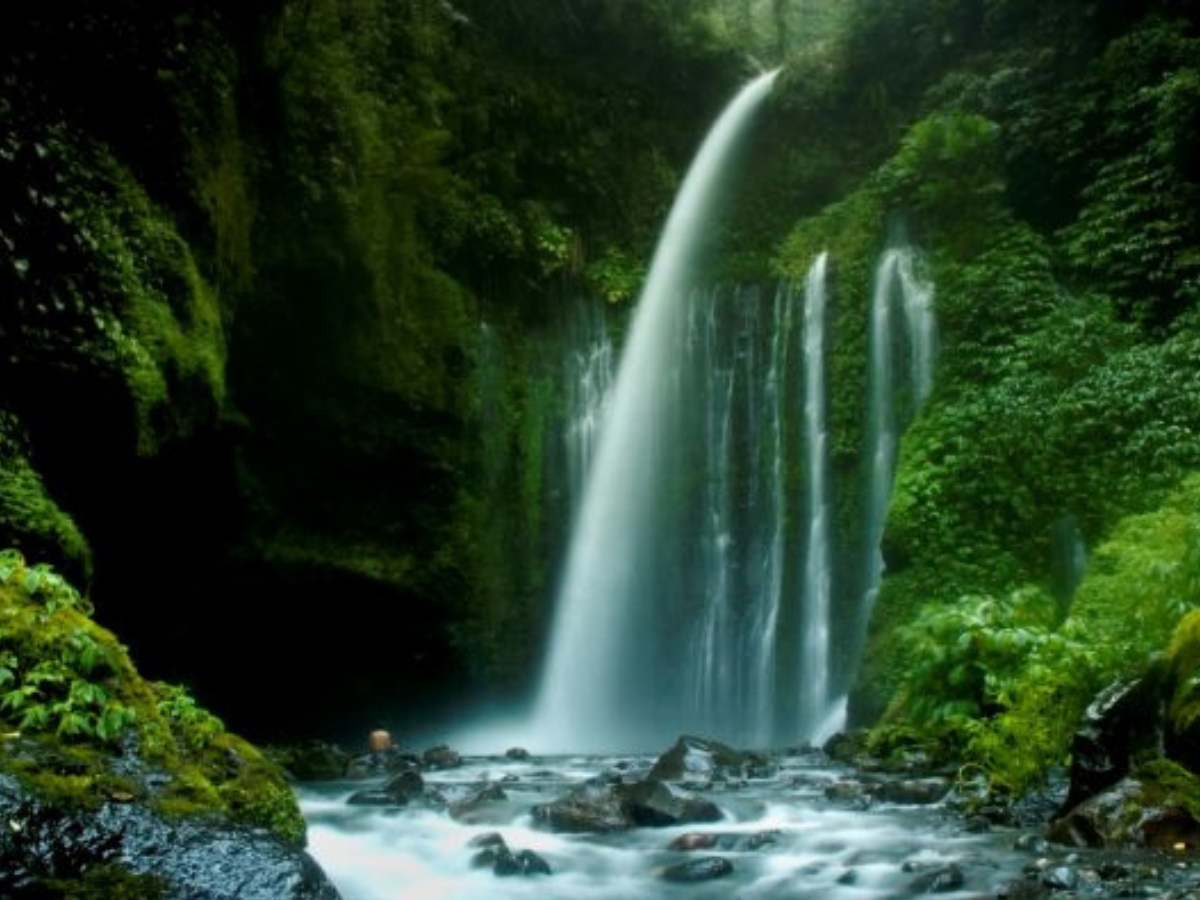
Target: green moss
<point>1169,784</point>
<point>29,517</point>
<point>68,687</point>
<point>105,882</point>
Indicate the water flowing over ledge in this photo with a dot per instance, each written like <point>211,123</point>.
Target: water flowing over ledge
<point>607,681</point>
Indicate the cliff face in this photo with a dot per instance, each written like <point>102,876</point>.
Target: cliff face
<point>249,254</point>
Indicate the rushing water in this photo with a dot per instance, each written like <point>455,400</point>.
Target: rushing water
<point>606,683</point>
<point>814,848</point>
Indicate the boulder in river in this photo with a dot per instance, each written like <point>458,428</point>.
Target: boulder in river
<point>602,807</point>
<point>440,757</point>
<point>705,868</point>
<point>698,759</point>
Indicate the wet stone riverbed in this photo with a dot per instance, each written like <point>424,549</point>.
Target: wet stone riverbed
<point>795,829</point>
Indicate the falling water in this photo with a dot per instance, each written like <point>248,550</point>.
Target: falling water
<point>818,574</point>
<point>588,376</point>
<point>618,674</point>
<point>893,398</point>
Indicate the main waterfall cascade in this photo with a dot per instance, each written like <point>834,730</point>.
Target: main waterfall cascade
<point>699,589</point>
<point>618,675</point>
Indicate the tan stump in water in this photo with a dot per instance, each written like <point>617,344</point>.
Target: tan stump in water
<point>379,741</point>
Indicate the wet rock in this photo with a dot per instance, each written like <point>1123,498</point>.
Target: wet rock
<point>693,841</point>
<point>530,863</point>
<point>477,805</point>
<point>847,746</point>
<point>1132,813</point>
<point>849,877</point>
<point>1032,843</point>
<point>406,786</point>
<point>1023,889</point>
<point>706,868</point>
<point>315,761</point>
<point>1125,718</point>
<point>399,791</point>
<point>1061,878</point>
<point>495,854</point>
<point>732,841</point>
<point>846,791</point>
<point>913,792</point>
<point>386,762</point>
<point>697,759</point>
<point>938,881</point>
<point>373,797</point>
<point>519,754</point>
<point>440,757</point>
<point>587,808</point>
<point>602,807</point>
<point>653,804</point>
<point>202,858</point>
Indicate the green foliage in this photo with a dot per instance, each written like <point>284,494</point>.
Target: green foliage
<point>1015,679</point>
<point>67,683</point>
<point>105,882</point>
<point>946,172</point>
<point>966,656</point>
<point>29,517</point>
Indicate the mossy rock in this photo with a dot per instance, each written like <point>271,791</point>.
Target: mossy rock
<point>1183,713</point>
<point>85,728</point>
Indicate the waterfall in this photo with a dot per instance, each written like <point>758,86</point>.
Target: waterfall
<point>588,376</point>
<point>815,701</point>
<point>619,673</point>
<point>893,394</point>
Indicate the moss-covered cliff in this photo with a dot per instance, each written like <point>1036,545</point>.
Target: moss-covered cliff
<point>1044,165</point>
<point>285,286</point>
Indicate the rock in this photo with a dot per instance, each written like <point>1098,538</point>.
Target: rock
<point>847,746</point>
<point>652,803</point>
<point>399,791</point>
<point>530,863</point>
<point>1132,813</point>
<point>440,757</point>
<point>315,761</point>
<point>697,759</point>
<point>912,792</point>
<point>475,806</point>
<point>1125,718</point>
<point>1022,889</point>
<point>845,791</point>
<point>517,753</point>
<point>587,808</point>
<point>709,840</point>
<point>201,858</point>
<point>406,786</point>
<point>939,881</point>
<point>706,868</point>
<point>602,807</point>
<point>1060,878</point>
<point>373,797</point>
<point>693,841</point>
